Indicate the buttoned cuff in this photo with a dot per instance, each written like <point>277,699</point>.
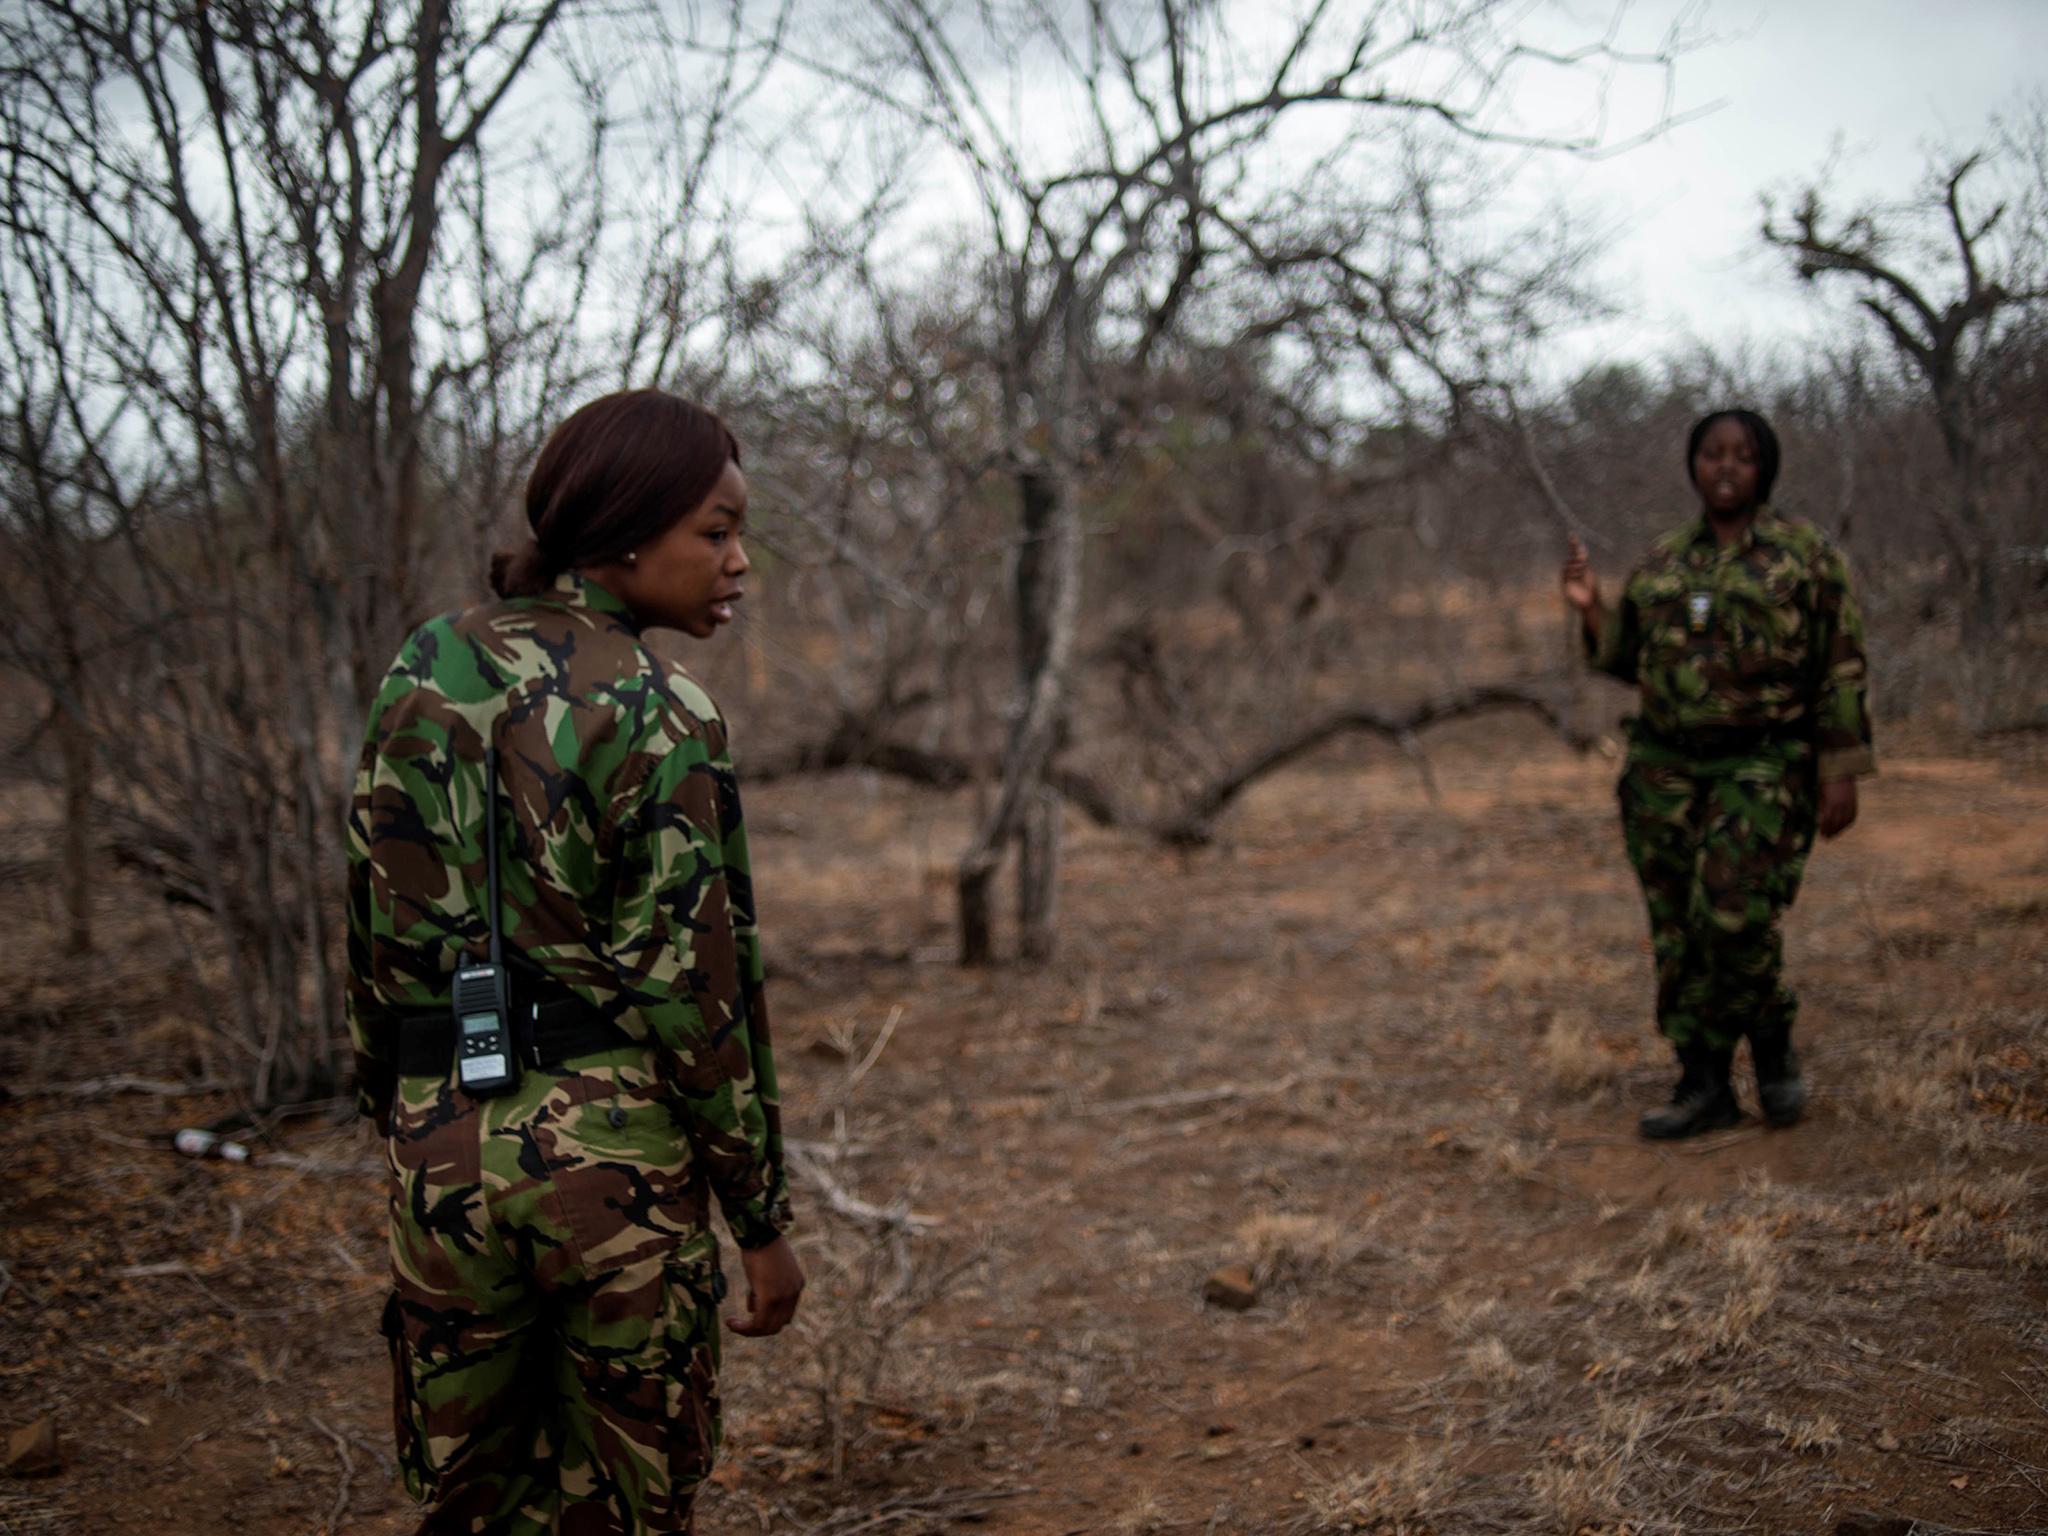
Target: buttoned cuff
<point>758,1222</point>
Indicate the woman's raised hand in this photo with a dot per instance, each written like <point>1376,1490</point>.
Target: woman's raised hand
<point>1581,586</point>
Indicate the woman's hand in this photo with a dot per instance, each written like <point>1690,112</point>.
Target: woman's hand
<point>1581,586</point>
<point>774,1281</point>
<point>1837,807</point>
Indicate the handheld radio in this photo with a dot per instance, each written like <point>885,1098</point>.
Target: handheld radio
<point>484,1060</point>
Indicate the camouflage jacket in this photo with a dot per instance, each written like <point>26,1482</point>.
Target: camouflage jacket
<point>1761,635</point>
<point>622,860</point>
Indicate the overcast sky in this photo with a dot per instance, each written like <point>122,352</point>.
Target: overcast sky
<point>1887,78</point>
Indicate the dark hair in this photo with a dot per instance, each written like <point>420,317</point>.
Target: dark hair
<point>620,471</point>
<point>1761,438</point>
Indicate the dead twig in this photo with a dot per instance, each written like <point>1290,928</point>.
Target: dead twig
<point>874,1053</point>
<point>348,1472</point>
<point>898,1216</point>
<point>957,1503</point>
<point>1186,1097</point>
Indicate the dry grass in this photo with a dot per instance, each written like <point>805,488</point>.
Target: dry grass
<point>1395,1499</point>
<point>1820,1433</point>
<point>1492,1364</point>
<point>1576,1061</point>
<point>1534,1322</point>
<point>1295,1249</point>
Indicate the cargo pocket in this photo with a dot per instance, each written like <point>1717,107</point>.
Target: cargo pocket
<point>408,1418</point>
<point>693,1287</point>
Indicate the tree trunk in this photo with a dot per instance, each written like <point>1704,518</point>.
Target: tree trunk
<point>977,919</point>
<point>1048,609</point>
<point>75,742</point>
<point>1038,855</point>
<point>1038,868</point>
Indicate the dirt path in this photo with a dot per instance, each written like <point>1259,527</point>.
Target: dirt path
<point>1386,1051</point>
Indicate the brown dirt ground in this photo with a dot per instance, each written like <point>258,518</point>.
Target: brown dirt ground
<point>1386,1049</point>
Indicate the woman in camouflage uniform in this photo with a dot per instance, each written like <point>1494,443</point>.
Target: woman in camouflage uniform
<point>1742,635</point>
<point>553,1321</point>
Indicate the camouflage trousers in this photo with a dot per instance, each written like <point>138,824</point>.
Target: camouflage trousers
<point>1720,847</point>
<point>553,1321</point>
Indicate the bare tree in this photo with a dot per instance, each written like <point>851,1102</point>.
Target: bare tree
<point>1144,181</point>
<point>1947,277</point>
<point>273,320</point>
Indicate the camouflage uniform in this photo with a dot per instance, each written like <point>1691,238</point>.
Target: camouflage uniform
<point>1751,668</point>
<point>553,1323</point>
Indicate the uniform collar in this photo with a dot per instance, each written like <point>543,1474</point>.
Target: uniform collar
<point>573,589</point>
<point>1762,529</point>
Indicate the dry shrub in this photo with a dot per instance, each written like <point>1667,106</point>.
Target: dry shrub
<point>1492,1363</point>
<point>1624,1421</point>
<point>865,1287</point>
<point>1649,1289</point>
<point>1513,1157</point>
<point>1749,1273</point>
<point>2026,1250</point>
<point>1929,1092</point>
<point>1293,1248</point>
<point>1578,1495</point>
<point>1574,1058</point>
<point>1399,1498</point>
<point>1467,1318</point>
<point>1675,1229</point>
<point>1821,1432</point>
<point>1143,1518</point>
<point>1583,1486</point>
<point>1710,1285</point>
<point>1952,1212</point>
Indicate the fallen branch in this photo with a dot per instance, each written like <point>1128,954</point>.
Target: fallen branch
<point>1191,827</point>
<point>899,1217</point>
<point>927,767</point>
<point>348,1472</point>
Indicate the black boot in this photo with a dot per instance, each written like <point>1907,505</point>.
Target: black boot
<point>1779,1087</point>
<point>1702,1101</point>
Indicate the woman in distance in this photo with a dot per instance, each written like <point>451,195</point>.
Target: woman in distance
<point>1744,641</point>
<point>554,1146</point>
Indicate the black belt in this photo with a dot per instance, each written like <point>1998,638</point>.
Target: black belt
<point>1725,740</point>
<point>544,1035</point>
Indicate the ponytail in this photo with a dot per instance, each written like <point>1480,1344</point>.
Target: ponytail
<point>521,572</point>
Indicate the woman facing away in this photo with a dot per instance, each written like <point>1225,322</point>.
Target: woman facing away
<point>555,1137</point>
<point>1741,633</point>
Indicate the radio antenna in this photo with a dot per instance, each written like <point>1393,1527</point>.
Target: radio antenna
<point>491,848</point>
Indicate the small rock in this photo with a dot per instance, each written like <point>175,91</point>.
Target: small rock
<point>1886,1440</point>
<point>1231,1287</point>
<point>32,1451</point>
